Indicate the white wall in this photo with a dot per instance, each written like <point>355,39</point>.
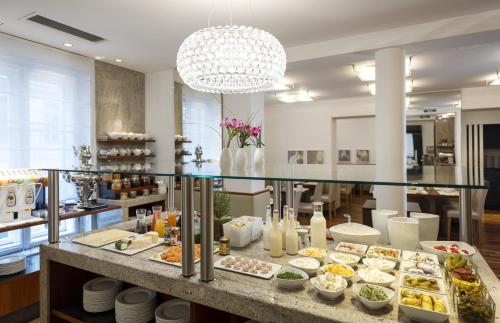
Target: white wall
<point>160,121</point>
<point>243,106</point>
<point>480,105</point>
<point>476,98</point>
<point>352,134</point>
<point>308,126</point>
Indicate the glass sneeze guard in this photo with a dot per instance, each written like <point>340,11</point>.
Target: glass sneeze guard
<point>442,176</point>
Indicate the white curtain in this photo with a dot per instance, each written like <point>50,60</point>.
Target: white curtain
<point>46,105</point>
<point>201,118</point>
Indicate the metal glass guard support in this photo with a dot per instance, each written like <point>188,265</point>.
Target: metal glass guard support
<point>187,227</point>
<point>53,207</point>
<point>171,193</point>
<point>277,196</point>
<point>207,229</point>
<point>466,215</point>
<point>290,201</point>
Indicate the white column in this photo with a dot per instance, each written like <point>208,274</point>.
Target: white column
<point>160,117</point>
<point>390,122</point>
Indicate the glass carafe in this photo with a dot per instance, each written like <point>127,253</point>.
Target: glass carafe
<point>140,224</point>
<point>318,227</point>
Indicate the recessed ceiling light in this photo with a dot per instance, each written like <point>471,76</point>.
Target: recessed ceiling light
<point>99,57</point>
<point>118,60</point>
<point>1,23</point>
<point>279,86</point>
<point>68,45</point>
<point>366,72</point>
<point>297,96</point>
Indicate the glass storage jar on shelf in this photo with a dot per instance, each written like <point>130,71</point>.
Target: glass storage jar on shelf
<point>135,180</point>
<point>116,184</point>
<point>126,182</point>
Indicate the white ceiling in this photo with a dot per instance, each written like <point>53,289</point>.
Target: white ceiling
<point>437,74</point>
<point>147,34</point>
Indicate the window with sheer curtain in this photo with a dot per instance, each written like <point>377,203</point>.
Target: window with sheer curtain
<point>45,109</point>
<point>201,118</point>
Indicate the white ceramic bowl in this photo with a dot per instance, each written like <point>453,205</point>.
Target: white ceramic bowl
<point>419,314</point>
<point>403,233</point>
<point>306,253</point>
<point>379,263</point>
<point>328,293</point>
<point>355,232</point>
<point>387,279</point>
<point>428,225</point>
<point>379,220</point>
<point>373,305</point>
<point>291,283</point>
<point>428,246</point>
<point>309,269</point>
<point>322,271</point>
<point>338,257</point>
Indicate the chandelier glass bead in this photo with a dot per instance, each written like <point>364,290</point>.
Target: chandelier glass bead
<point>231,59</point>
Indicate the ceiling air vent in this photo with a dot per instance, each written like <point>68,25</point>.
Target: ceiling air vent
<point>64,28</point>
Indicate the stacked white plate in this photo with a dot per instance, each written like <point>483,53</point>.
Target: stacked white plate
<point>12,264</point>
<point>173,311</point>
<point>99,294</point>
<point>135,305</point>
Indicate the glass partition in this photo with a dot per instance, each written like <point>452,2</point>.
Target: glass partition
<point>452,177</point>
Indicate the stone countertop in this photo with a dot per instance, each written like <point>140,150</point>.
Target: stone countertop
<point>239,294</point>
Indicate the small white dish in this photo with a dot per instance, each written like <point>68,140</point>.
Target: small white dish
<point>344,258</point>
<point>429,246</point>
<point>291,283</point>
<point>417,278</point>
<point>384,279</point>
<point>423,315</point>
<point>306,264</point>
<point>329,294</point>
<point>317,253</point>
<point>379,263</point>
<point>373,305</point>
<point>324,269</point>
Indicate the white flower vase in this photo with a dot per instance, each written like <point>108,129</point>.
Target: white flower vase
<point>258,158</point>
<point>380,220</point>
<point>226,161</point>
<point>404,233</point>
<point>241,159</point>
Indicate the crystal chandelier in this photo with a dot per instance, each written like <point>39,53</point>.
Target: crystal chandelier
<point>231,59</point>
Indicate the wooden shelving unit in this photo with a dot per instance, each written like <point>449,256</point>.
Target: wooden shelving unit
<point>130,157</point>
<point>125,141</point>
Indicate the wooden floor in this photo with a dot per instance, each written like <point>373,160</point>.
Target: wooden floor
<point>489,230</point>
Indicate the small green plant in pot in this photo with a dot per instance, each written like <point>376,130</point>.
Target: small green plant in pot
<point>222,205</point>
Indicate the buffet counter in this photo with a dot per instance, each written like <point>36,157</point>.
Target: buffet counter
<point>245,296</point>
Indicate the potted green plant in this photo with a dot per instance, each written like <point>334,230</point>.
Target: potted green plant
<point>222,205</point>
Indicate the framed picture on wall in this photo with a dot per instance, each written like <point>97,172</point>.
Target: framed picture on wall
<point>295,156</point>
<point>344,156</point>
<point>315,156</point>
<point>362,156</point>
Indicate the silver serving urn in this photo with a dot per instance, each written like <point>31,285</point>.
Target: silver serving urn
<point>85,182</point>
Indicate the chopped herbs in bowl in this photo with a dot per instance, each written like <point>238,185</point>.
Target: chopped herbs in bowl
<point>289,277</point>
<point>372,296</point>
<point>373,293</point>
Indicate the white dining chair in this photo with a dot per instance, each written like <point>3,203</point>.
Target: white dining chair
<point>330,200</point>
<point>346,192</point>
<point>307,207</point>
<point>478,200</point>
